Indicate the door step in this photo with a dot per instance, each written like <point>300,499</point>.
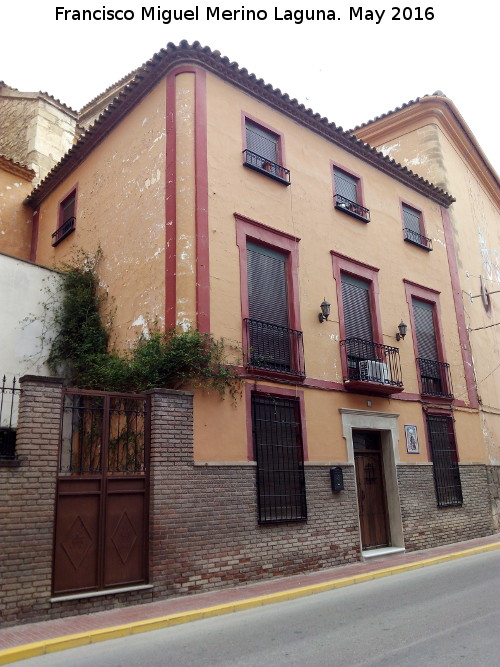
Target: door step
<point>383,551</point>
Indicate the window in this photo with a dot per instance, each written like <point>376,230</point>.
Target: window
<point>278,451</point>
<point>413,227</point>
<point>272,340</point>
<point>263,152</point>
<point>348,194</point>
<point>445,460</point>
<point>364,359</point>
<point>66,221</point>
<point>435,379</point>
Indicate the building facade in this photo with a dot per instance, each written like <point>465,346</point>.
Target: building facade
<point>221,204</point>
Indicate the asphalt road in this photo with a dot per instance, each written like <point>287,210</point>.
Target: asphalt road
<point>442,615</point>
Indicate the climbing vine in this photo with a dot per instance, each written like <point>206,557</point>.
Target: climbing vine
<point>81,350</point>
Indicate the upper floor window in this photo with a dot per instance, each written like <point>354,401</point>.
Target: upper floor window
<point>263,152</point>
<point>272,340</point>
<point>435,379</point>
<point>366,362</point>
<point>348,194</point>
<point>66,218</point>
<point>413,226</point>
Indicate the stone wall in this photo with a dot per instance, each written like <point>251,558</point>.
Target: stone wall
<point>35,129</point>
<point>425,524</point>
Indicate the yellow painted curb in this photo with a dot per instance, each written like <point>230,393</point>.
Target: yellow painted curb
<point>35,649</point>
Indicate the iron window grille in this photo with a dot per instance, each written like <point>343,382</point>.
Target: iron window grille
<point>66,219</point>
<point>275,348</point>
<point>412,220</point>
<point>9,403</point>
<point>435,378</point>
<point>445,461</point>
<point>277,434</point>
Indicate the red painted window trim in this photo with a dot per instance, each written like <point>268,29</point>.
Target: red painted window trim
<point>279,135</point>
<point>352,174</point>
<point>63,200</point>
<point>342,264</point>
<point>280,392</point>
<point>431,296</point>
<point>421,218</point>
<point>251,230</point>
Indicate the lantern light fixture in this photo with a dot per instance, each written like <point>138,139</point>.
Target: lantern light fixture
<point>402,329</point>
<point>325,311</point>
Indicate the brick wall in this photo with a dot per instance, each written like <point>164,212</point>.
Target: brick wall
<point>425,524</point>
<point>494,491</point>
<point>203,519</point>
<point>204,530</point>
<point>27,494</point>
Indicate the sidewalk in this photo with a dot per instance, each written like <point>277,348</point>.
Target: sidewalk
<point>26,641</point>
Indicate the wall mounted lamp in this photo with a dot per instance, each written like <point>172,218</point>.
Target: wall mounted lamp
<point>325,310</point>
<point>402,330</point>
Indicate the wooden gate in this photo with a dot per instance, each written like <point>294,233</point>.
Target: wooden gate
<point>102,511</point>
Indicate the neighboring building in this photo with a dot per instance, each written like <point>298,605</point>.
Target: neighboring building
<point>220,203</point>
<point>430,136</point>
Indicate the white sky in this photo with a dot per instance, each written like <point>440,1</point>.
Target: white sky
<point>348,71</point>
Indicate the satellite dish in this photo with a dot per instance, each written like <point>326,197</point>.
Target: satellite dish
<point>485,295</point>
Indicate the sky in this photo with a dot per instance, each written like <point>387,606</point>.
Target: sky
<point>350,69</point>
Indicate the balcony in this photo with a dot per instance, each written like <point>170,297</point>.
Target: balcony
<point>270,349</point>
<point>64,230</point>
<point>371,366</point>
<point>435,378</point>
<point>352,208</point>
<point>417,239</point>
<point>271,169</point>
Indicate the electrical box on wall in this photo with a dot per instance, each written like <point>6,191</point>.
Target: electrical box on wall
<point>337,479</point>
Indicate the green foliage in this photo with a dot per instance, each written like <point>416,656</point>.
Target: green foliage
<point>173,359</point>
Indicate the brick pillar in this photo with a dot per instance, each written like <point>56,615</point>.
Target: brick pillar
<point>27,503</point>
<point>171,450</point>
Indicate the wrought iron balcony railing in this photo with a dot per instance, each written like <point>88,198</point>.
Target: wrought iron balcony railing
<point>259,163</point>
<point>63,231</point>
<point>435,378</point>
<point>371,364</point>
<point>272,348</point>
<point>352,208</point>
<point>418,239</point>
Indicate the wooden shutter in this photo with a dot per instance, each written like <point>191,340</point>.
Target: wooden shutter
<point>68,209</point>
<point>357,313</point>
<point>425,333</point>
<point>267,292</point>
<point>262,142</point>
<point>345,185</point>
<point>411,220</point>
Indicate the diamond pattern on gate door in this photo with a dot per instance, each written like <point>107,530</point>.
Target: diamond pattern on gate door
<point>124,537</point>
<point>77,542</point>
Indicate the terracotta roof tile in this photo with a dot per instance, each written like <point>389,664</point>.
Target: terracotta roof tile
<point>149,73</point>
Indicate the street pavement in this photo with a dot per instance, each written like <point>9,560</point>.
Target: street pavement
<point>20,642</point>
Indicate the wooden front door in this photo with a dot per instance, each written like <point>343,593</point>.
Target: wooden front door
<point>371,489</point>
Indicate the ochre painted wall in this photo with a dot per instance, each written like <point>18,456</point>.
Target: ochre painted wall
<point>120,208</point>
<point>15,219</point>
